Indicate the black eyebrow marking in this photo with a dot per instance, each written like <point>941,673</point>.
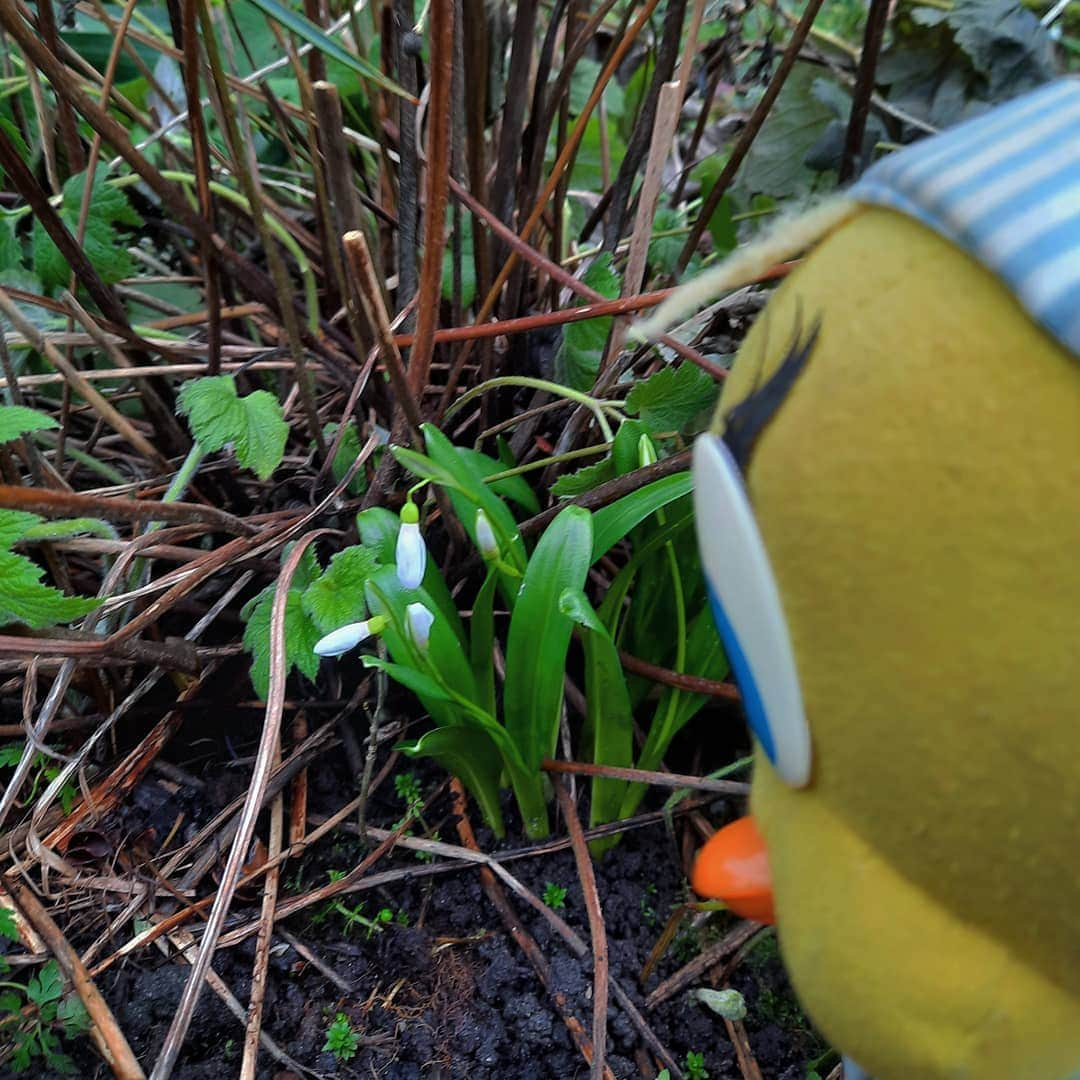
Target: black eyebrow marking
<point>746,422</point>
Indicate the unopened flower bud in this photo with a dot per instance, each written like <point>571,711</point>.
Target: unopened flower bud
<point>485,537</point>
<point>349,636</point>
<point>411,551</point>
<point>419,623</point>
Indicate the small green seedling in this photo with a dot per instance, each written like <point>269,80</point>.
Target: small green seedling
<point>35,1017</point>
<point>695,1066</point>
<point>554,896</point>
<point>341,1040</point>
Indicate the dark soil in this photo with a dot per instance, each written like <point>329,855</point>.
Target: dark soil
<point>442,990</point>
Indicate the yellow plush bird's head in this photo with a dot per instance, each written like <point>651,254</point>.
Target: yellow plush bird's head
<point>904,630</point>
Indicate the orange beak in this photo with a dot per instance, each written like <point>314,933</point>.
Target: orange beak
<point>733,866</point>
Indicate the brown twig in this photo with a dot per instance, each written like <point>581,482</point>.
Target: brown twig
<point>876,18</point>
<point>645,776</point>
<point>749,133</point>
<point>694,684</point>
<point>597,930</point>
<point>701,963</point>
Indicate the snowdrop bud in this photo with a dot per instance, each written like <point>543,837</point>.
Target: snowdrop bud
<point>646,451</point>
<point>349,636</point>
<point>419,621</point>
<point>485,537</point>
<point>411,551</point>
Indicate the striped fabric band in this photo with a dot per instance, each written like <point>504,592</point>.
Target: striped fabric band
<point>1006,188</point>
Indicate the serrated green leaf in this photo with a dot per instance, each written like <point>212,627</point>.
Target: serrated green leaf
<point>14,525</point>
<point>337,596</point>
<point>255,425</point>
<point>578,360</point>
<point>16,420</point>
<point>774,164</point>
<point>102,241</point>
<point>10,1002</point>
<point>301,635</point>
<point>25,599</point>
<point>47,985</point>
<point>672,397</point>
<point>577,483</point>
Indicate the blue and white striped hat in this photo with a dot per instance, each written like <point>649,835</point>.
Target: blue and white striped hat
<point>1005,187</point>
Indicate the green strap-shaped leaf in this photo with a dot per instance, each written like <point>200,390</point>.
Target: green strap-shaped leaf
<point>613,522</point>
<point>539,635</point>
<point>608,738</point>
<point>307,31</point>
<point>471,756</point>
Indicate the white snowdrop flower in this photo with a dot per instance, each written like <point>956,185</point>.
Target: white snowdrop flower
<point>419,620</point>
<point>348,636</point>
<point>485,537</point>
<point>411,551</point>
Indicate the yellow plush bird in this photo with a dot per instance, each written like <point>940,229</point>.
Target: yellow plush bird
<point>889,517</point>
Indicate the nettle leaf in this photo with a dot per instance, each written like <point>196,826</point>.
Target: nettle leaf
<point>25,599</point>
<point>14,525</point>
<point>255,425</point>
<point>16,420</point>
<point>578,360</point>
<point>671,398</point>
<point>577,483</point>
<point>337,597</point>
<point>301,634</point>
<point>103,240</point>
<point>775,162</point>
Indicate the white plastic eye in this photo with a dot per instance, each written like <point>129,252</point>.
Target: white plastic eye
<point>748,612</point>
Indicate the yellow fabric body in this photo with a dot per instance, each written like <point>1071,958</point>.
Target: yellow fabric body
<point>919,497</point>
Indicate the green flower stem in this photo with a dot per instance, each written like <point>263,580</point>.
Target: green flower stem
<point>47,438</point>
<point>594,405</point>
<point>541,463</point>
<point>184,474</point>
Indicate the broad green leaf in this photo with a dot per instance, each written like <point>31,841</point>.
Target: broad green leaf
<point>25,599</point>
<point>102,242</point>
<point>307,31</point>
<point>378,529</point>
<point>664,251</point>
<point>470,755</point>
<point>672,397</point>
<point>386,596</point>
<point>255,424</point>
<point>774,164</point>
<point>301,635</point>
<point>539,635</point>
<point>337,596</point>
<point>578,360</point>
<point>514,488</point>
<point>16,420</point>
<point>423,686</point>
<point>608,737</point>
<point>613,522</point>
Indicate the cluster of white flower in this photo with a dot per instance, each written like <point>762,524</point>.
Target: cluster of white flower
<point>410,556</point>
